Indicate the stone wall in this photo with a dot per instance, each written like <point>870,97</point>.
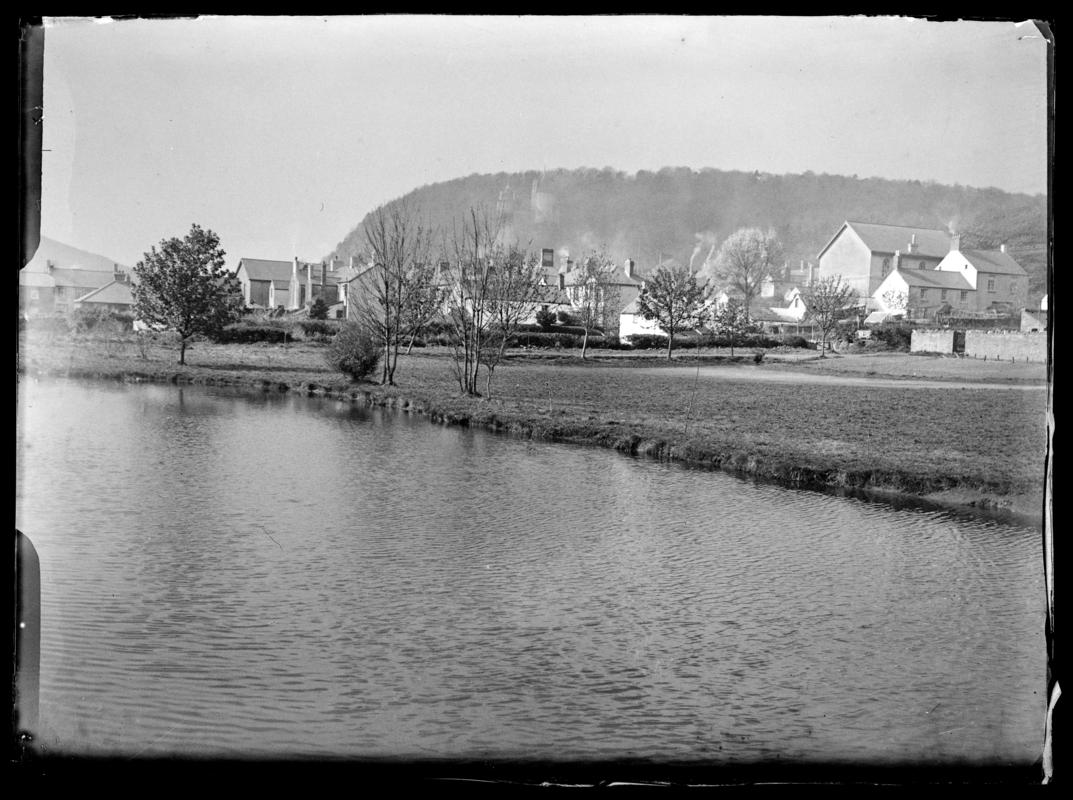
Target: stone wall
<point>1006,345</point>
<point>932,342</point>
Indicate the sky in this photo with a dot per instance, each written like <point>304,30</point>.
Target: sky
<point>281,133</point>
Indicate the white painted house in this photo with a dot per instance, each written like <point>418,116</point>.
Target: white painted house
<point>1000,283</point>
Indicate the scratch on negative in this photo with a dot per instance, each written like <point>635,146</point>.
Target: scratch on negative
<point>269,535</point>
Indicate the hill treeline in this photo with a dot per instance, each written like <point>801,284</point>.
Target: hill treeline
<point>683,213</point>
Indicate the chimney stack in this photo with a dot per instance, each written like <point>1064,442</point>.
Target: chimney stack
<point>562,281</point>
<point>294,269</point>
<point>809,273</point>
<point>896,261</point>
<point>913,243</point>
<point>629,267</point>
<point>1002,247</point>
<point>955,242</point>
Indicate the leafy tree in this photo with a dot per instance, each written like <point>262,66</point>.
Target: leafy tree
<point>745,258</point>
<point>828,301</point>
<point>184,287</point>
<point>594,294</point>
<point>673,298</point>
<point>732,321</point>
<point>318,309</point>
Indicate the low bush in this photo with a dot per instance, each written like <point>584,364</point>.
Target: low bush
<point>246,333</point>
<point>649,341</point>
<point>318,309</point>
<point>893,335</point>
<point>545,319</point>
<point>353,352</point>
<point>541,339</point>
<point>318,329</point>
<point>84,320</point>
<point>792,340</point>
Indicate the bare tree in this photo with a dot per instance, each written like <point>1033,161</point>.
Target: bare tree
<point>745,258</point>
<point>673,298</point>
<point>594,293</point>
<point>828,301</point>
<point>469,310</point>
<point>516,293</point>
<point>387,294</point>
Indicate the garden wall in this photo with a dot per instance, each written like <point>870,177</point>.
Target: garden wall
<point>1006,345</point>
<point>932,342</point>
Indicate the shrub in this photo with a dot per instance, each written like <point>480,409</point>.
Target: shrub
<point>353,352</point>
<point>894,335</point>
<point>545,319</point>
<point>543,339</point>
<point>566,318</point>
<point>648,341</point>
<point>792,340</point>
<point>318,309</point>
<point>246,333</point>
<point>318,329</point>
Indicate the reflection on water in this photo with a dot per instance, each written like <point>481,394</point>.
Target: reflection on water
<point>284,575</point>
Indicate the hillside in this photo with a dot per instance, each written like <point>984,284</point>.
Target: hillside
<point>681,213</point>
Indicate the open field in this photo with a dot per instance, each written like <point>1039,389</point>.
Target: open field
<point>982,445</point>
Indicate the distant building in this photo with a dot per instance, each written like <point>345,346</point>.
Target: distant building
<point>115,296</point>
<point>865,253</point>
<point>294,284</point>
<point>1001,283</point>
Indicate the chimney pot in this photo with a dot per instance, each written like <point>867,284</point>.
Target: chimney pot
<point>562,281</point>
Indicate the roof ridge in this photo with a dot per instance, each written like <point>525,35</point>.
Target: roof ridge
<point>892,225</point>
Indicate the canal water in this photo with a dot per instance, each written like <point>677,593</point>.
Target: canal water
<point>276,576</point>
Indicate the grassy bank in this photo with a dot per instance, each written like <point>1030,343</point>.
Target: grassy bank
<point>965,446</point>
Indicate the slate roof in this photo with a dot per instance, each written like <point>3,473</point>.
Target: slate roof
<point>82,278</point>
<point>993,261</point>
<point>934,278</point>
<point>880,238</point>
<point>114,292</point>
<point>259,269</point>
<point>279,272</point>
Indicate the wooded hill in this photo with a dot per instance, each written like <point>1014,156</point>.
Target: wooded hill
<point>681,213</point>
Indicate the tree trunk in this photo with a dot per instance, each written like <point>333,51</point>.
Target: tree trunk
<point>585,343</point>
<point>670,346</point>
<point>823,346</point>
<point>182,350</point>
<point>410,346</point>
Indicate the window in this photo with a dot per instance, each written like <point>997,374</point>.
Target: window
<point>34,294</point>
<point>964,294</point>
<point>990,284</point>
<point>923,292</point>
<point>922,265</point>
<point>942,294</point>
<point>886,265</point>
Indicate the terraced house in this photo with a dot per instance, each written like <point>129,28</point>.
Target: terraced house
<point>967,281</point>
